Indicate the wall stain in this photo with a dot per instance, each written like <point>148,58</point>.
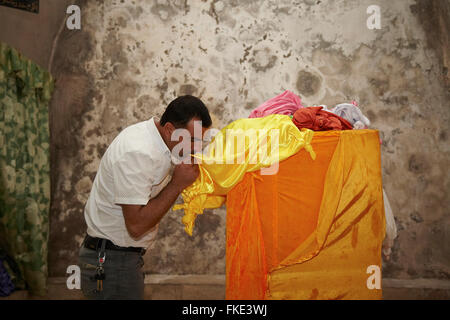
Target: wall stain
<point>308,84</point>
<point>263,60</point>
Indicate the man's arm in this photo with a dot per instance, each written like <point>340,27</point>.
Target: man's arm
<point>139,219</point>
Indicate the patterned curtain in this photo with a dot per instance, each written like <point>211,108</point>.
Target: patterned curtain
<point>25,91</point>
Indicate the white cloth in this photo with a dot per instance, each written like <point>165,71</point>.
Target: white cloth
<point>136,166</point>
<point>352,114</point>
<point>391,228</point>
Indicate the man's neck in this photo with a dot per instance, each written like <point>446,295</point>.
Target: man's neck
<point>161,132</point>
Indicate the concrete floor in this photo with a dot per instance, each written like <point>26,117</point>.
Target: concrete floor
<point>199,287</point>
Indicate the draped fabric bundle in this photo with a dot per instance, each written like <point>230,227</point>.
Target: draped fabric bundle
<point>317,119</point>
<point>286,103</point>
<point>245,145</point>
<point>312,230</point>
<point>352,114</point>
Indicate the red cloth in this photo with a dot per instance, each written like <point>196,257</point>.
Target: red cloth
<point>316,119</point>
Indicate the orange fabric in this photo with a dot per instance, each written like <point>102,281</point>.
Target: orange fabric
<point>261,143</point>
<point>311,230</point>
<point>316,119</point>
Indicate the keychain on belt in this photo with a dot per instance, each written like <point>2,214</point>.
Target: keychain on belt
<point>100,271</point>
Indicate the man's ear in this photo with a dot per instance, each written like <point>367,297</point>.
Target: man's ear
<point>168,128</point>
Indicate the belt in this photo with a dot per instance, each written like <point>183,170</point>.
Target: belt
<point>96,243</point>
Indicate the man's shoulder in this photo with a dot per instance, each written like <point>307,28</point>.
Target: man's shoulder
<point>135,130</point>
<point>139,141</point>
<point>133,137</point>
<point>133,140</point>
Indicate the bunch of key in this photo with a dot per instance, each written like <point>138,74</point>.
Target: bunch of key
<point>100,274</point>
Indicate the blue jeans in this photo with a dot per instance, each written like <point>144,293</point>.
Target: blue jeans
<point>124,278</point>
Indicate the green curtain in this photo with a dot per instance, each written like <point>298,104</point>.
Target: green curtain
<point>25,92</point>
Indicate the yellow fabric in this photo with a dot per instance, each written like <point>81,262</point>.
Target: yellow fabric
<point>311,231</point>
<point>221,168</point>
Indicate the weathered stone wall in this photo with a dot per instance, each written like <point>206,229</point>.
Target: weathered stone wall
<point>33,34</point>
<point>131,58</point>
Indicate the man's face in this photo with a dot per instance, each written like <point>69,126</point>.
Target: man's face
<point>197,133</point>
<point>187,140</point>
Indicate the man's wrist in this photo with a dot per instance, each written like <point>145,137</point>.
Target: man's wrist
<point>176,186</point>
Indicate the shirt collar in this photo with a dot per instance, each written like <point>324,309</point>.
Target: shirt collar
<point>157,136</point>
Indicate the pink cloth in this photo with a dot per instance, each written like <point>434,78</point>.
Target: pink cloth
<point>286,103</point>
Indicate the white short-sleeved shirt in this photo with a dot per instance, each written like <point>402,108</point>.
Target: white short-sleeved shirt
<point>136,166</point>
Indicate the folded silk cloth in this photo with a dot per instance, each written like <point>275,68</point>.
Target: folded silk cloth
<point>316,119</point>
<point>245,145</point>
<point>286,103</point>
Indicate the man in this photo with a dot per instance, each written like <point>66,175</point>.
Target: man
<point>135,186</point>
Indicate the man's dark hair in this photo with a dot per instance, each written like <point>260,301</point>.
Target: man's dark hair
<point>181,110</point>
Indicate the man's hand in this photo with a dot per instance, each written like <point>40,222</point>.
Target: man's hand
<point>185,174</point>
